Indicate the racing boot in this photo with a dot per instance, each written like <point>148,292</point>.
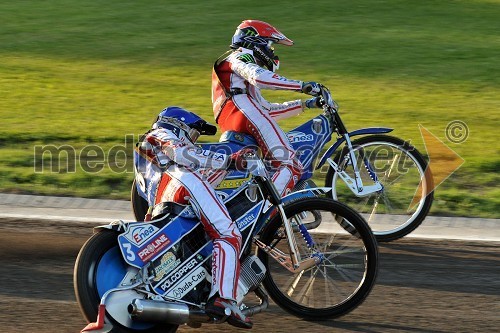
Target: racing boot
<point>216,308</point>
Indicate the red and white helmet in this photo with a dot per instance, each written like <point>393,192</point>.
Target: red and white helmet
<point>259,36</point>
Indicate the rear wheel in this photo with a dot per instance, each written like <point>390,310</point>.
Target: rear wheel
<point>346,271</point>
<point>139,204</point>
<point>407,193</point>
<point>100,267</point>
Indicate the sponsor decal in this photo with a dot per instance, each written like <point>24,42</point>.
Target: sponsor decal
<point>242,223</point>
<point>206,153</point>
<point>219,157</point>
<point>179,274</point>
<point>300,137</point>
<point>277,77</point>
<point>232,183</point>
<point>153,248</point>
<point>140,234</point>
<point>247,58</point>
<point>281,78</point>
<point>260,70</point>
<point>188,283</point>
<point>215,267</point>
<point>167,264</point>
<point>239,137</point>
<point>262,54</point>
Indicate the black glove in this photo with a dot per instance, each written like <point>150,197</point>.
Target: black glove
<point>315,102</point>
<point>311,88</point>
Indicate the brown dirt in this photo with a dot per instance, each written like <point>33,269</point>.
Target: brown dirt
<point>423,286</point>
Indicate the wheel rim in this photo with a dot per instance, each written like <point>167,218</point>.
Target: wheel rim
<point>110,273</point>
<point>389,211</point>
<point>339,276</point>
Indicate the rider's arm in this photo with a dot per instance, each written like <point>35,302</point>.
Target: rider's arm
<point>287,109</point>
<point>261,77</point>
<point>278,110</point>
<point>184,152</point>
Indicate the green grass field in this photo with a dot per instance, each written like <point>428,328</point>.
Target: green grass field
<point>85,74</point>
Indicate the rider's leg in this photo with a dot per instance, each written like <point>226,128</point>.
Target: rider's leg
<point>243,115</point>
<point>180,184</point>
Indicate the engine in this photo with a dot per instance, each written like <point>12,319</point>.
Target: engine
<point>252,273</point>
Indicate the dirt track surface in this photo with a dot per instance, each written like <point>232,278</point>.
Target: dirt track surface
<point>422,286</point>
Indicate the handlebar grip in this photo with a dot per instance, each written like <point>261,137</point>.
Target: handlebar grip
<point>307,88</point>
<point>312,88</point>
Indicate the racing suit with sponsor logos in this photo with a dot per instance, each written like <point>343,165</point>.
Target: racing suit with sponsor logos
<point>238,105</point>
<point>174,169</point>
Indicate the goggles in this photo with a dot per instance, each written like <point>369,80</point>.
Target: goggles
<point>177,126</point>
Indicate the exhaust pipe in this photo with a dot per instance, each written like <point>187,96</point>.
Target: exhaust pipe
<point>180,314</point>
<point>166,312</point>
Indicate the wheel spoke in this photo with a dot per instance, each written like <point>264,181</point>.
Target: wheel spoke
<point>401,170</point>
<point>344,252</point>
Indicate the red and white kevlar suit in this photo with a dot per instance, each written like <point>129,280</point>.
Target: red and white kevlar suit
<point>239,106</point>
<point>173,174</point>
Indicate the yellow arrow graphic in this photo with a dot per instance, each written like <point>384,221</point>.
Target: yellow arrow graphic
<point>443,161</point>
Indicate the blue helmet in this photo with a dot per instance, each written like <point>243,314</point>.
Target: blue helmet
<point>183,123</point>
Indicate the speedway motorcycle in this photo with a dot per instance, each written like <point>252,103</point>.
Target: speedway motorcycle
<point>315,257</point>
<point>384,178</point>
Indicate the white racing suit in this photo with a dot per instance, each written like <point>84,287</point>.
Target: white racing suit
<point>169,170</point>
<point>238,105</point>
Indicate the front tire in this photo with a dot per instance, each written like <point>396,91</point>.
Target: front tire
<point>344,277</point>
<point>407,194</point>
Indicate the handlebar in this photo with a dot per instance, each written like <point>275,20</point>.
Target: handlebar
<point>331,107</point>
<point>255,165</point>
<point>327,99</point>
<point>324,93</point>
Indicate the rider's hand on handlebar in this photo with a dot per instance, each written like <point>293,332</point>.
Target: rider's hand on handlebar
<point>312,88</point>
<point>237,160</point>
<point>315,102</point>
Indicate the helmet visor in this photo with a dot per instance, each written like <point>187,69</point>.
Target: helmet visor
<point>194,134</point>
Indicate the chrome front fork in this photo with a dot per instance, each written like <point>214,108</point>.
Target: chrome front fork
<point>355,184</point>
<point>292,260</point>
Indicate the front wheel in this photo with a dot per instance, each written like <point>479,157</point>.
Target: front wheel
<point>348,260</point>
<point>100,267</point>
<point>407,193</point>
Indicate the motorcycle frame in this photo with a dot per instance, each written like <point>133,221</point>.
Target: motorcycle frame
<point>269,207</point>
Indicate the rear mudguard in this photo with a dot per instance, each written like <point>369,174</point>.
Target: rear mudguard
<point>117,226</point>
<point>341,140</point>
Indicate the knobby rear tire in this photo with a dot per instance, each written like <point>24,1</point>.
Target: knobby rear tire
<point>139,204</point>
<point>85,285</point>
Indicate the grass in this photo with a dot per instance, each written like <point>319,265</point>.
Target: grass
<point>87,74</point>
